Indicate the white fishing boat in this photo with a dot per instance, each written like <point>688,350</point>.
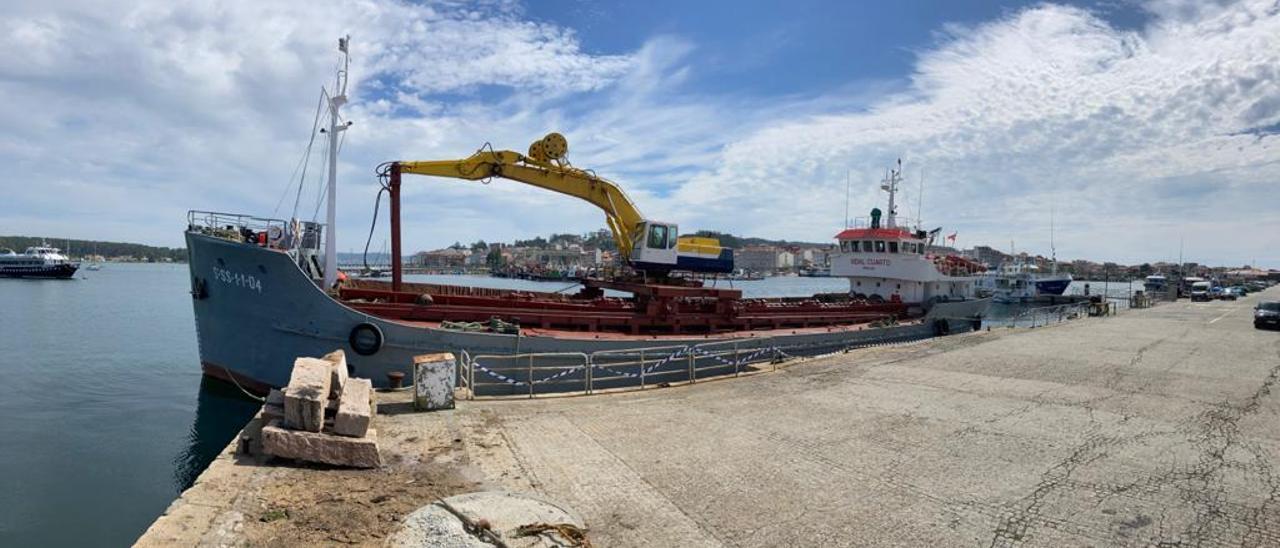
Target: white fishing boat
<point>1020,280</point>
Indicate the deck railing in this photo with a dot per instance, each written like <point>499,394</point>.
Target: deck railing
<point>211,221</point>
<point>263,231</point>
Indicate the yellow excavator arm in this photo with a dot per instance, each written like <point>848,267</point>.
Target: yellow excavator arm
<point>545,167</point>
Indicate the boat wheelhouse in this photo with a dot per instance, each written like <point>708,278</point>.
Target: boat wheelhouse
<point>895,265</point>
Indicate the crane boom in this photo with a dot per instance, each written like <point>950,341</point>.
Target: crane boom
<point>652,246</point>
<point>545,168</point>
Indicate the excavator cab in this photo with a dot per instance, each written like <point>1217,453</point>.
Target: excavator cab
<point>659,248</point>
<point>655,248</point>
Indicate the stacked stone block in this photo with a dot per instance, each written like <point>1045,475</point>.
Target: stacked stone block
<point>322,416</point>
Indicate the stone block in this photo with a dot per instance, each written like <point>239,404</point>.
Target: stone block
<point>322,448</point>
<point>434,376</point>
<point>354,409</point>
<point>274,407</point>
<point>338,379</point>
<point>307,394</point>
<point>272,412</point>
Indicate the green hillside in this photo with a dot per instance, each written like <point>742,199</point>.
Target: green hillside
<point>80,248</point>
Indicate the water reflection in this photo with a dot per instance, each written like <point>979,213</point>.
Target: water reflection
<point>221,411</point>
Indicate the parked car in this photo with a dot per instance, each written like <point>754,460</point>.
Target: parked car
<point>1267,314</point>
<point>1226,294</point>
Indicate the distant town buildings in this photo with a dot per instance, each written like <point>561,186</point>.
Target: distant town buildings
<point>448,258</point>
<point>987,255</point>
<point>570,254</point>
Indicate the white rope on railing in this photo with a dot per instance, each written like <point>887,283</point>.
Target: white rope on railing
<point>760,350</point>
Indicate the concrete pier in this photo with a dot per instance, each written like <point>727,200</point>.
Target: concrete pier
<point>1157,426</point>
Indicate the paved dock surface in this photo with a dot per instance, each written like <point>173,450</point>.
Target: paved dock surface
<point>1158,426</point>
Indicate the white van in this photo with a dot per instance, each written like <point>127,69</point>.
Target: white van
<point>1200,291</point>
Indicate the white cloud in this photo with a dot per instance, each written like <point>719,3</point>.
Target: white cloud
<point>1135,138</point>
<point>126,115</point>
<point>122,117</point>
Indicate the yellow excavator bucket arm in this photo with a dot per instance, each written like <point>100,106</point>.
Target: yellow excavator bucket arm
<point>545,167</point>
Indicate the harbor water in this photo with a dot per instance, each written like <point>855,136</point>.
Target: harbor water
<point>105,415</point>
<point>103,411</point>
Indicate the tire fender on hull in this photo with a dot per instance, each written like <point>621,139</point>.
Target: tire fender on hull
<point>366,339</point>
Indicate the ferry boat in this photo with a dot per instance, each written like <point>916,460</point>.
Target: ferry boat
<point>1156,283</point>
<point>264,293</point>
<point>37,262</point>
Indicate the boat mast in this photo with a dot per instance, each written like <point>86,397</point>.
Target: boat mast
<point>1181,240</point>
<point>846,198</point>
<point>335,102</point>
<point>890,184</point>
<point>920,202</point>
<point>1053,250</point>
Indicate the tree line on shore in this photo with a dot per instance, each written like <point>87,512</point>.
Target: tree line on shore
<point>81,248</point>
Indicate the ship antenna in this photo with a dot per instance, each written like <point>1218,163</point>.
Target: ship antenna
<point>920,201</point>
<point>335,103</point>
<point>846,198</point>
<point>891,185</point>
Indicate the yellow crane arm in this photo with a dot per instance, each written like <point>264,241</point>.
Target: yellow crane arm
<point>544,167</point>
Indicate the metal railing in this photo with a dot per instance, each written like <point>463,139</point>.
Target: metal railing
<point>214,220</point>
<point>532,374</point>
<point>1045,315</point>
<point>247,228</point>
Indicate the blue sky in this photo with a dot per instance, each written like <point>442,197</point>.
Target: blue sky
<point>1138,123</point>
<point>800,47</point>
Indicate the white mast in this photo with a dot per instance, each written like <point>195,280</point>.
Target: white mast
<point>890,184</point>
<point>920,203</point>
<point>335,102</point>
<point>846,198</point>
<point>1053,250</point>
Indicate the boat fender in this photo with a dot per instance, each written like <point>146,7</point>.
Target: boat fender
<point>366,339</point>
<point>941,327</point>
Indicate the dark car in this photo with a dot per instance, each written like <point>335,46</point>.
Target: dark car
<point>1267,314</point>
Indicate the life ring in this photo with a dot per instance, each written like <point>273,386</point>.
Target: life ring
<point>366,339</point>
<point>941,327</point>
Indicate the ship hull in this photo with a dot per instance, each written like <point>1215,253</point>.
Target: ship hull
<point>60,271</point>
<point>1056,286</point>
<point>256,311</point>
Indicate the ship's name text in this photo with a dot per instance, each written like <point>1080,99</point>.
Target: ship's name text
<point>238,279</point>
<point>880,262</point>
